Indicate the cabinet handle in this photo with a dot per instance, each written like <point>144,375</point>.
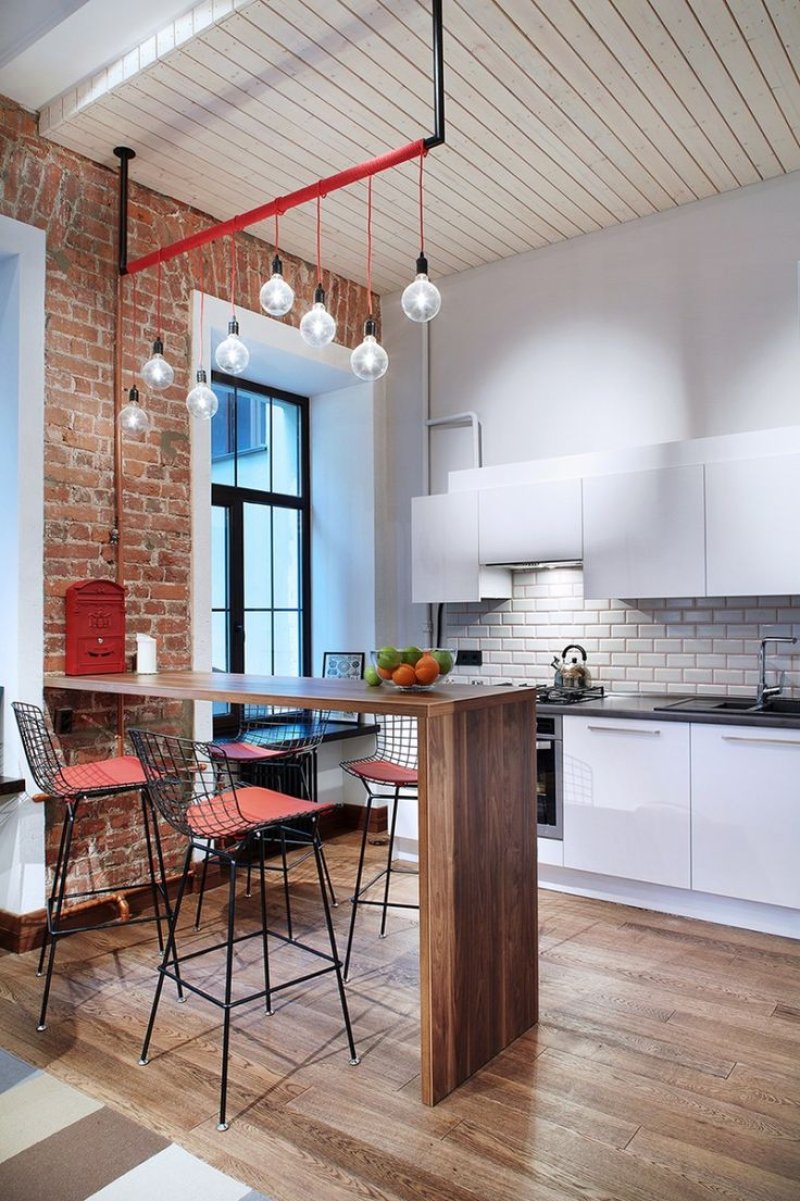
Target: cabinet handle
<point>604,729</point>
<point>761,741</point>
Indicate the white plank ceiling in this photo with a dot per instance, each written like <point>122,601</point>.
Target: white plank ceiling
<point>563,116</point>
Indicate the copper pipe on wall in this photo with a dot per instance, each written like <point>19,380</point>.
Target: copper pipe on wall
<point>117,539</point>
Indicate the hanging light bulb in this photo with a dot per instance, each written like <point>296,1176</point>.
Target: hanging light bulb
<point>421,300</point>
<point>132,417</point>
<point>276,296</point>
<point>369,360</point>
<point>202,401</point>
<point>317,327</point>
<point>232,356</point>
<point>157,372</point>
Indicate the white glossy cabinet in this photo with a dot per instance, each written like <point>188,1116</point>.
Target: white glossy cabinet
<point>746,813</point>
<point>644,533</point>
<point>551,851</point>
<point>444,552</point>
<point>751,514</point>
<point>626,798</point>
<point>531,522</point>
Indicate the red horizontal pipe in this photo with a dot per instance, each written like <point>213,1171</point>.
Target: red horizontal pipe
<point>281,204</point>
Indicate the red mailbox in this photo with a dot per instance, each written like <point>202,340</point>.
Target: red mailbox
<point>95,612</point>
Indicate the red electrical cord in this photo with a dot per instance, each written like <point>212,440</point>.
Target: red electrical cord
<point>233,275</point>
<point>319,239</point>
<point>158,301</point>
<point>422,154</point>
<point>135,326</point>
<point>369,245</point>
<point>202,304</point>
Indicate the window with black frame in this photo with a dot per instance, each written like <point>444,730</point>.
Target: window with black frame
<point>260,543</point>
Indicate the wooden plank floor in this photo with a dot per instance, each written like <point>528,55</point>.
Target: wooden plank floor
<point>666,1066</point>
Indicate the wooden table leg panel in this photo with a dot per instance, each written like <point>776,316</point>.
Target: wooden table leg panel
<point>478,880</point>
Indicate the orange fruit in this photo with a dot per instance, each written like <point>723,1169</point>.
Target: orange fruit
<point>404,676</point>
<point>426,669</point>
<point>383,673</point>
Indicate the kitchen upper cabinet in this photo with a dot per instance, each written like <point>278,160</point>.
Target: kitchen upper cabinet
<point>444,552</point>
<point>746,813</point>
<point>626,798</point>
<point>751,511</point>
<point>531,522</point>
<point>643,533</point>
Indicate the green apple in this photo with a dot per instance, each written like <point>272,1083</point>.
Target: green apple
<point>445,661</point>
<point>389,658</point>
<point>411,654</point>
<point>372,677</point>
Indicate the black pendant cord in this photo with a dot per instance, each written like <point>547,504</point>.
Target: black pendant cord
<point>124,154</point>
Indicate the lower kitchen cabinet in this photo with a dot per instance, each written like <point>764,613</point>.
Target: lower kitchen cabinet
<point>746,813</point>
<point>626,798</point>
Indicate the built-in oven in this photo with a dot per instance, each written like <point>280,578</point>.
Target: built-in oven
<point>549,777</point>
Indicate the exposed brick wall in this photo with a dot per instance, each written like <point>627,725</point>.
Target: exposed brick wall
<point>75,201</point>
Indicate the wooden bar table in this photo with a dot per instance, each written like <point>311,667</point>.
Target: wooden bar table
<point>477,845</point>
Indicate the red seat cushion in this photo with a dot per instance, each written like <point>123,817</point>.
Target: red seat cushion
<point>104,775</point>
<point>221,816</point>
<point>243,752</point>
<point>379,771</point>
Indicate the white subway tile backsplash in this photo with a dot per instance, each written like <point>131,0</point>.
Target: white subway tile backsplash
<point>761,616</point>
<point>728,677</point>
<point>701,645</point>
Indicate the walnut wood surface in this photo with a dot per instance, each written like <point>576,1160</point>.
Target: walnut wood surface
<point>352,695</point>
<point>477,823</point>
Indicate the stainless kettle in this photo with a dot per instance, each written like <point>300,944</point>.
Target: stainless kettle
<point>571,670</point>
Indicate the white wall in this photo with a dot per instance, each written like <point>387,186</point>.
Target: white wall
<point>22,276</point>
<point>672,326</point>
<point>400,473</point>
<point>342,521</point>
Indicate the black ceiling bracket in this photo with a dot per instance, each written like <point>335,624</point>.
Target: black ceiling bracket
<point>437,137</point>
<point>124,154</point>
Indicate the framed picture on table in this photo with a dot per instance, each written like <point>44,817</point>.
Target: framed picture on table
<point>344,665</point>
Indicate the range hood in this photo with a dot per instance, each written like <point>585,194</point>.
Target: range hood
<point>537,564</point>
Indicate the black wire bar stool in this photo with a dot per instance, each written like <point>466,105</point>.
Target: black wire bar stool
<point>195,788</point>
<point>276,748</point>
<point>72,785</point>
<point>390,772</point>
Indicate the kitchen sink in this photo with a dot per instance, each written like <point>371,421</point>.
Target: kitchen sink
<point>789,706</point>
<point>783,706</point>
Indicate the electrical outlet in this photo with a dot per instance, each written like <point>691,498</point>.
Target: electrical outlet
<point>470,658</point>
<point>62,721</point>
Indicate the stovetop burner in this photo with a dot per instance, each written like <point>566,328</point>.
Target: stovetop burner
<point>553,695</point>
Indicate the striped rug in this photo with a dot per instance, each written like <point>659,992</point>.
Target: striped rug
<point>57,1144</point>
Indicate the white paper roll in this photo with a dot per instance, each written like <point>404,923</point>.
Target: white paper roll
<point>145,654</point>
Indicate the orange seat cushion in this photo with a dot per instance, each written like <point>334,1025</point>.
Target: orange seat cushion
<point>124,771</point>
<point>378,771</point>
<point>243,752</point>
<point>232,814</point>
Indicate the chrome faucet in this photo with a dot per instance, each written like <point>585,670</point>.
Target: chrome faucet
<point>763,692</point>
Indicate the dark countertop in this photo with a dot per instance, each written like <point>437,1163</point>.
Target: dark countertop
<point>647,706</point>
